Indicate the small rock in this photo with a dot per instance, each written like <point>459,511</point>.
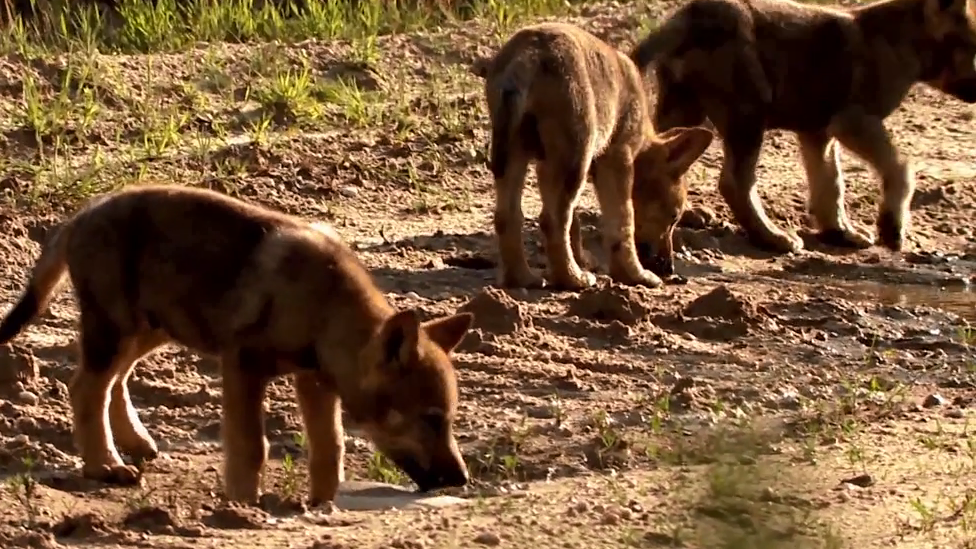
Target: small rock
<point>27,424</point>
<point>349,191</point>
<point>540,412</point>
<point>58,390</point>
<point>698,217</point>
<point>955,413</point>
<point>435,263</point>
<point>488,538</point>
<point>610,518</point>
<point>27,397</point>
<point>19,441</point>
<point>862,481</point>
<point>933,400</point>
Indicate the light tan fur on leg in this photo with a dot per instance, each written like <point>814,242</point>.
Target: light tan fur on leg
<point>90,396</point>
<point>322,421</point>
<point>560,190</point>
<point>867,138</point>
<point>820,157</point>
<point>614,186</point>
<point>514,270</point>
<point>130,434</point>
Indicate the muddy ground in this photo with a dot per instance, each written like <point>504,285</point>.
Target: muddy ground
<point>820,399</point>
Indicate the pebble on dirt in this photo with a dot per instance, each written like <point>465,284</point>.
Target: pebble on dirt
<point>490,539</point>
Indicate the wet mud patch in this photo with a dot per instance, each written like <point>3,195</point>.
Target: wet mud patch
<point>457,250</point>
<point>954,273</point>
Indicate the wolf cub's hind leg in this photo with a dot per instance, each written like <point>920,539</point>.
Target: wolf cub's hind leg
<point>825,181</point>
<point>867,138</point>
<point>560,187</point>
<point>103,355</point>
<point>130,434</point>
<point>514,270</point>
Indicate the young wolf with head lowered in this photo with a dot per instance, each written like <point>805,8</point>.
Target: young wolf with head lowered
<point>828,75</point>
<point>561,97</point>
<point>269,295</point>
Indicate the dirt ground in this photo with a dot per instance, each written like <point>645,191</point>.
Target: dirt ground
<point>819,400</point>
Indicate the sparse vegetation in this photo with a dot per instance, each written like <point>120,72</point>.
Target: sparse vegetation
<point>809,427</point>
<point>22,487</point>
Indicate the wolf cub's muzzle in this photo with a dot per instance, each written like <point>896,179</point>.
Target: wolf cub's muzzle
<point>659,263</point>
<point>446,473</point>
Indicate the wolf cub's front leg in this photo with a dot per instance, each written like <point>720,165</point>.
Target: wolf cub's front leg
<point>242,425</point>
<point>614,176</point>
<point>322,420</point>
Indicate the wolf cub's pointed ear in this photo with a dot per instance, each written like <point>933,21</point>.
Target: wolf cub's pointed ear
<point>684,146</point>
<point>448,331</point>
<point>400,335</point>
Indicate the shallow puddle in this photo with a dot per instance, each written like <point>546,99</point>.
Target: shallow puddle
<point>355,495</point>
<point>960,300</point>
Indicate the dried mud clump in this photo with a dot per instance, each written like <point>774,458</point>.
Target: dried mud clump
<point>722,303</point>
<point>496,312</point>
<point>610,303</point>
<point>281,506</point>
<point>603,452</point>
<point>150,519</point>
<point>719,315</point>
<point>236,517</point>
<point>17,364</point>
<point>84,526</point>
<point>687,394</point>
<point>31,539</point>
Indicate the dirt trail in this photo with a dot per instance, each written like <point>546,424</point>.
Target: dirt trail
<point>591,419</point>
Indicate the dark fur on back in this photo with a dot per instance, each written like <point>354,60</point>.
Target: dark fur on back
<point>148,277</point>
<point>825,73</point>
